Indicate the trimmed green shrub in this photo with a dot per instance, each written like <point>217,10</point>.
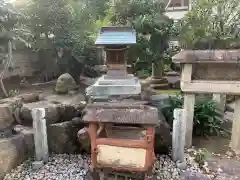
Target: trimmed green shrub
<point>207,118</point>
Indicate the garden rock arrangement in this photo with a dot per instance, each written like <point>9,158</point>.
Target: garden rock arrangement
<point>16,140</point>
<point>63,137</point>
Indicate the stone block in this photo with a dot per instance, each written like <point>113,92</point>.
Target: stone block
<point>51,109</point>
<point>62,137</point>
<point>29,97</point>
<point>6,116</point>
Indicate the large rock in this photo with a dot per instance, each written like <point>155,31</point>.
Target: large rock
<point>29,97</point>
<point>14,103</point>
<point>6,116</point>
<point>52,112</point>
<point>27,132</point>
<point>13,151</point>
<point>12,100</point>
<point>69,106</point>
<point>65,84</point>
<point>62,137</point>
<point>163,134</point>
<point>84,140</point>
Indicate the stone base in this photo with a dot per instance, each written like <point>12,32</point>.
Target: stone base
<point>108,85</point>
<point>156,80</point>
<point>159,86</point>
<point>157,83</point>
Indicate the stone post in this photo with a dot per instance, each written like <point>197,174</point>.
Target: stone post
<point>178,136</point>
<point>40,134</point>
<point>220,99</point>
<point>235,139</point>
<point>189,102</point>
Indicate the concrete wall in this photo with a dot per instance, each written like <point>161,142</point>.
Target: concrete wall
<point>22,64</point>
<point>27,64</point>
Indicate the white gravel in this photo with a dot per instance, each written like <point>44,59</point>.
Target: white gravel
<point>75,167</point>
<point>59,167</point>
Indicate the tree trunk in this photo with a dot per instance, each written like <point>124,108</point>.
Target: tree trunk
<point>9,60</point>
<point>3,88</point>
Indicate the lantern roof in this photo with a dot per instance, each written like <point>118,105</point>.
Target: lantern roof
<point>116,36</point>
<point>208,56</point>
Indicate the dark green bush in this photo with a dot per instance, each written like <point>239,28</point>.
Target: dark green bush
<point>207,117</point>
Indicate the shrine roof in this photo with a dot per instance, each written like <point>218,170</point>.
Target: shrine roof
<point>208,56</point>
<point>116,36</point>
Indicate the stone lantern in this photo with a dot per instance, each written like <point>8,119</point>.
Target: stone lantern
<point>121,130</point>
<point>210,72</point>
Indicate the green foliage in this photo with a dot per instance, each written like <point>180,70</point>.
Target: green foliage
<point>11,27</point>
<point>170,104</point>
<point>12,32</point>
<point>212,24</point>
<point>207,117</point>
<point>152,26</point>
<point>143,73</point>
<point>66,29</point>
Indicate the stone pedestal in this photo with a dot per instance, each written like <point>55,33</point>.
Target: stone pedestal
<point>115,85</point>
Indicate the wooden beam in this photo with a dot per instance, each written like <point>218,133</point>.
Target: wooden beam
<point>189,101</point>
<point>218,87</point>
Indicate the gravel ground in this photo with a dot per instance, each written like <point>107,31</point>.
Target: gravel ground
<point>75,167</point>
<point>59,167</point>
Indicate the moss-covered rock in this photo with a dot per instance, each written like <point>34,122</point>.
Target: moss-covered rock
<point>65,84</point>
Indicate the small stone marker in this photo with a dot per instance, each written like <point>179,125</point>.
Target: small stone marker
<point>178,136</point>
<point>36,165</point>
<point>40,134</point>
